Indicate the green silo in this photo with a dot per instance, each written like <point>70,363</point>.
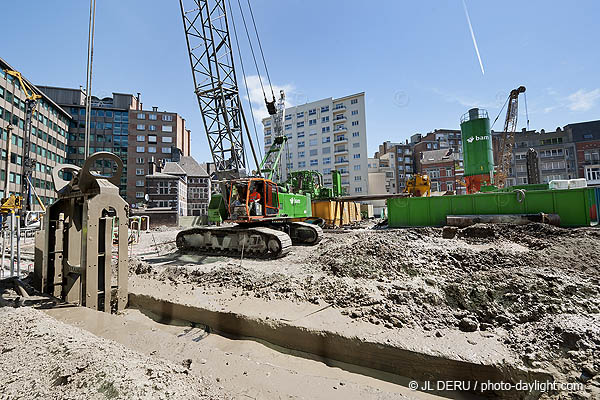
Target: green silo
<point>478,155</point>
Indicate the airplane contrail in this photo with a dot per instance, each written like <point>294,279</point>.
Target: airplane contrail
<point>473,36</point>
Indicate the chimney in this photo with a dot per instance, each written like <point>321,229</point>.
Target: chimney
<point>155,109</point>
<point>151,166</point>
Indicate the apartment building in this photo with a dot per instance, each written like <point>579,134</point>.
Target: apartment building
<point>120,125</point>
<point>586,136</point>
<point>399,157</point>
<point>325,135</point>
<point>158,134</point>
<point>556,151</point>
<point>49,127</point>
<point>440,166</point>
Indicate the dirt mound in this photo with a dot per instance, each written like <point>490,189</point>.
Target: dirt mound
<point>44,358</point>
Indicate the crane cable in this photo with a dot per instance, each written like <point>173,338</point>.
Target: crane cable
<point>252,50</point>
<point>245,81</point>
<point>261,49</point>
<point>500,112</point>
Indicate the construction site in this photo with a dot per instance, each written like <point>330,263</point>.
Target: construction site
<point>290,286</point>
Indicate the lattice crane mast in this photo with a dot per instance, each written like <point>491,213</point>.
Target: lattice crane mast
<point>507,141</point>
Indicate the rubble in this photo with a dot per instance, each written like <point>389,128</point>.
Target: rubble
<point>521,280</point>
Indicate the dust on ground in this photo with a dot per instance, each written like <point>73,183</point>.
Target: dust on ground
<point>44,358</point>
<point>536,284</point>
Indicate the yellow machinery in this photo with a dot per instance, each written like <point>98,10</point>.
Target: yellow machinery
<point>418,186</point>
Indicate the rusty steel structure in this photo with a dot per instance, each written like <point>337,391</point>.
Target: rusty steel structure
<point>507,142</point>
<point>74,250</point>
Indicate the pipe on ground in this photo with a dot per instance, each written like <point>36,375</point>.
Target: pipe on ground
<point>462,221</point>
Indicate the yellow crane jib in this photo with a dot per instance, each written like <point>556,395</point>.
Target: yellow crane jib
<point>29,93</point>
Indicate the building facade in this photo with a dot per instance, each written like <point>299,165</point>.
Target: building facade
<point>440,166</point>
<point>158,134</point>
<point>398,157</point>
<point>49,127</point>
<point>556,155</point>
<point>325,135</point>
<point>586,136</point>
<point>166,181</point>
<point>120,125</point>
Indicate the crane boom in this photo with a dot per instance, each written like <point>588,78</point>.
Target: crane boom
<point>28,163</point>
<point>507,142</point>
<point>215,84</point>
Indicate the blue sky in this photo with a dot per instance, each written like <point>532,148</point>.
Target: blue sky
<point>415,60</point>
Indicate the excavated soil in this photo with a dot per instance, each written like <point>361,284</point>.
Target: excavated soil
<point>44,358</point>
<point>536,284</point>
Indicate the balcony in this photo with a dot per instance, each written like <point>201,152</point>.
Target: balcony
<point>338,109</point>
<point>341,160</point>
<point>340,150</point>
<point>340,118</point>
<point>340,139</point>
<point>339,129</point>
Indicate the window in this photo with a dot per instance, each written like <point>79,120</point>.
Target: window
<point>314,162</point>
<point>151,149</point>
<point>151,138</point>
<point>358,178</point>
<point>326,171</point>
<point>139,195</point>
<point>288,117</point>
<point>312,112</point>
<point>358,189</point>
<point>288,127</point>
<point>166,150</point>
<point>140,160</point>
<point>152,127</point>
<point>326,129</point>
<point>312,122</point>
<point>139,182</point>
<point>354,101</point>
<point>140,171</point>
<point>355,145</point>
<point>140,149</point>
<point>325,119</point>
<point>300,114</point>
<point>354,123</point>
<point>167,117</point>
<point>354,112</point>
<point>300,134</point>
<point>326,139</point>
<point>300,144</point>
<point>300,154</point>
<point>326,160</point>
<point>139,138</point>
<point>300,124</point>
<point>301,164</point>
<point>313,152</point>
<point>326,150</point>
<point>167,139</point>
<point>312,142</point>
<point>268,123</point>
<point>324,109</point>
<point>356,155</point>
<point>141,116</point>
<point>141,127</point>
<point>167,128</point>
<point>357,167</point>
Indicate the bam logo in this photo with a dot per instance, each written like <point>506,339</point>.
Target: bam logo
<point>294,201</point>
<point>477,138</point>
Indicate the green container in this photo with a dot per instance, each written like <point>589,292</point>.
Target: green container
<point>295,205</point>
<point>576,207</point>
<point>478,155</point>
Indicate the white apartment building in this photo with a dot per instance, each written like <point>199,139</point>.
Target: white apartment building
<point>326,135</point>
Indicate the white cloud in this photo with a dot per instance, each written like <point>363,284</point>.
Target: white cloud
<point>257,99</point>
<point>471,102</point>
<point>583,100</point>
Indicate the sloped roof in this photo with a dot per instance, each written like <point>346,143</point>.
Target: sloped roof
<point>191,167</point>
<point>173,168</point>
<point>437,156</point>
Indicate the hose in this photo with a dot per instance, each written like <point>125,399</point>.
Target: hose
<point>520,195</point>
